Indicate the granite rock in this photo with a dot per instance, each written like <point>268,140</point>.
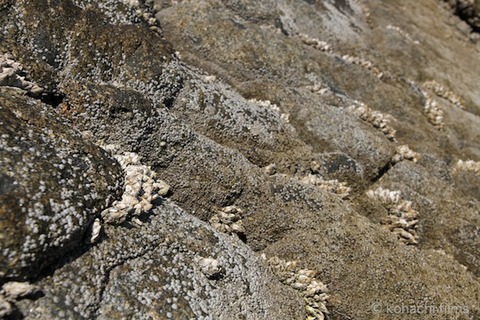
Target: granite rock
<point>53,184</point>
<point>261,106</point>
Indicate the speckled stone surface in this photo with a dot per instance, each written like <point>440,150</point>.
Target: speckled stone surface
<point>272,107</point>
<point>53,184</point>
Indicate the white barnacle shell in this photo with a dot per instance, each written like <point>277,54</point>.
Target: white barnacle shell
<point>95,230</point>
<point>271,169</point>
<point>137,222</point>
<point>162,187</point>
<point>5,307</point>
<point>16,290</point>
<point>209,266</point>
<point>299,286</point>
<point>238,228</point>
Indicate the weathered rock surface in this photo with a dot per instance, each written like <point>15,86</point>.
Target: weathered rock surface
<point>155,270</point>
<point>467,10</point>
<point>53,184</point>
<point>267,106</point>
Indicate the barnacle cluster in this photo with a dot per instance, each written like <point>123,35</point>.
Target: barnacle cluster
<point>402,218</point>
<point>141,188</point>
<point>145,13</point>
<point>430,108</point>
<point>210,267</point>
<point>433,112</point>
<point>267,104</point>
<point>405,34</point>
<point>377,119</point>
<point>319,88</point>
<point>314,292</point>
<point>12,75</point>
<point>333,186</point>
<point>405,153</point>
<point>468,165</point>
<point>362,62</point>
<point>12,291</point>
<point>441,91</point>
<point>316,43</point>
<point>326,47</point>
<point>228,220</point>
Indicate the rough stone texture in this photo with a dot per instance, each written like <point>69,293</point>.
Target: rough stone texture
<point>53,183</point>
<point>467,10</point>
<point>154,271</point>
<point>214,97</point>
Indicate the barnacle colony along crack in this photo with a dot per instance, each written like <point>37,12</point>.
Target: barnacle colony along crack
<point>467,166</point>
<point>377,119</point>
<point>228,220</point>
<point>12,75</point>
<point>141,189</point>
<point>402,218</point>
<point>314,291</point>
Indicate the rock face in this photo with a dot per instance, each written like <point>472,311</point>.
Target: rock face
<point>467,10</point>
<point>53,183</point>
<point>339,137</point>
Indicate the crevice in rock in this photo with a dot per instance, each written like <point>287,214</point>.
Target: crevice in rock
<point>52,98</point>
<point>106,279</point>
<point>106,276</point>
<point>382,171</point>
<point>467,11</point>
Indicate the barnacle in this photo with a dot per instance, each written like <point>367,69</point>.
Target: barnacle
<point>402,218</point>
<point>443,92</point>
<point>267,104</point>
<point>334,186</point>
<point>314,292</point>
<point>406,35</point>
<point>405,153</point>
<point>210,267</point>
<point>94,231</point>
<point>228,220</point>
<point>17,290</point>
<point>314,42</point>
<point>12,74</point>
<point>468,166</point>
<point>377,119</point>
<point>432,111</point>
<point>141,188</point>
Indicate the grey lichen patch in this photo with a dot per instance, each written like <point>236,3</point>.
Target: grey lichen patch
<point>377,119</point>
<point>141,188</point>
<point>175,266</point>
<point>402,218</point>
<point>305,281</point>
<point>13,75</point>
